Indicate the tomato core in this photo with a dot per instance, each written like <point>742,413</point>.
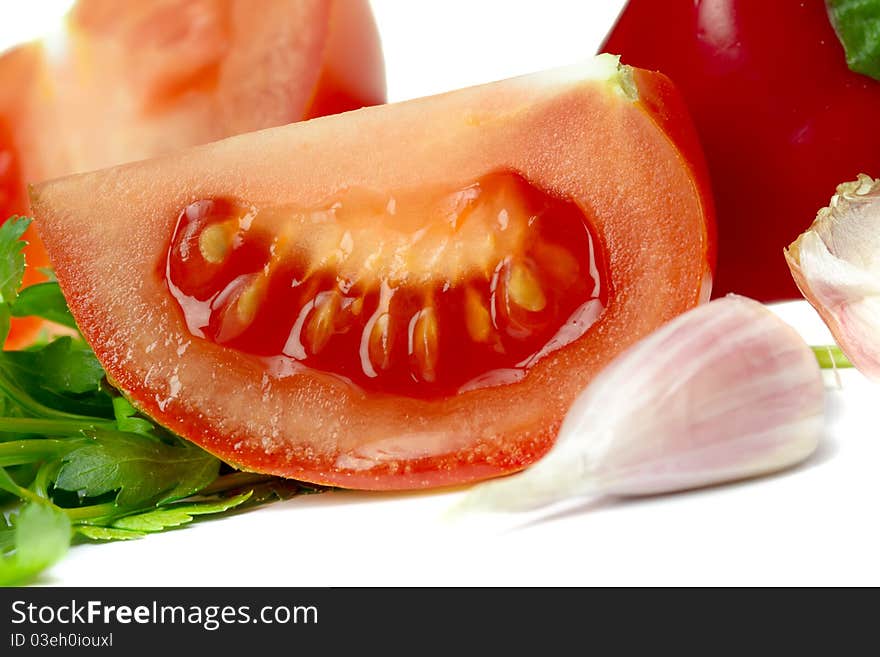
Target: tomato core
<point>422,293</point>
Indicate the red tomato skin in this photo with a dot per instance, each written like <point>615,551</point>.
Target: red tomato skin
<point>781,118</point>
<point>13,202</point>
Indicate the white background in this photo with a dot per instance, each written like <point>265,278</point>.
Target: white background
<point>432,46</point>
<point>817,524</point>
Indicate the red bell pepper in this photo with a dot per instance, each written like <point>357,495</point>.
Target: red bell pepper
<point>781,117</point>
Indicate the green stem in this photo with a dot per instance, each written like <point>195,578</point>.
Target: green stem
<point>232,481</point>
<point>7,484</point>
<point>831,357</point>
<point>93,512</point>
<point>35,425</point>
<point>19,452</point>
<point>44,478</point>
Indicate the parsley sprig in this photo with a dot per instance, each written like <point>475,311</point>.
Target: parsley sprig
<point>77,461</point>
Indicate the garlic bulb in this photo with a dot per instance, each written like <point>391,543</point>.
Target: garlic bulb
<point>724,392</point>
<point>836,264</point>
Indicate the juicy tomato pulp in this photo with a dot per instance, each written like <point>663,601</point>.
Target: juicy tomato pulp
<point>416,294</point>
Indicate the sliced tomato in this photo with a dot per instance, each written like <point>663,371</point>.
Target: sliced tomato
<point>129,81</point>
<point>402,297</point>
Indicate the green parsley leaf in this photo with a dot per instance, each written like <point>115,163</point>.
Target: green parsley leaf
<point>81,461</point>
<point>127,421</point>
<point>24,414</point>
<point>44,300</point>
<point>21,452</point>
<point>11,257</point>
<point>64,365</point>
<point>177,514</point>
<point>108,533</point>
<point>64,377</point>
<point>142,471</point>
<point>40,537</point>
<point>857,23</point>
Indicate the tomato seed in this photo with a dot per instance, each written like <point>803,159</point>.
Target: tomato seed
<point>423,344</point>
<point>524,289</point>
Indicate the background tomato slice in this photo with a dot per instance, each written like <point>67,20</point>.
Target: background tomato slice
<point>165,74</point>
<point>137,79</point>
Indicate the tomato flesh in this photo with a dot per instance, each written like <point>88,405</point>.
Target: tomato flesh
<point>459,289</point>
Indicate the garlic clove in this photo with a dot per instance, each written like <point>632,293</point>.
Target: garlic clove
<point>722,393</point>
<point>836,265</point>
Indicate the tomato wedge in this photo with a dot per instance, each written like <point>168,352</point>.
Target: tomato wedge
<point>406,296</point>
<point>128,81</point>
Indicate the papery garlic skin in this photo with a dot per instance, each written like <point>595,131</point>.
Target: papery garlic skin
<point>724,392</point>
<point>836,265</point>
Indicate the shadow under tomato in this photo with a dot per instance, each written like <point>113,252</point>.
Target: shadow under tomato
<point>827,449</point>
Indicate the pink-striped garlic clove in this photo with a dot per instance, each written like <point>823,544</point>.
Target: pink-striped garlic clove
<point>725,392</point>
<point>836,265</point>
